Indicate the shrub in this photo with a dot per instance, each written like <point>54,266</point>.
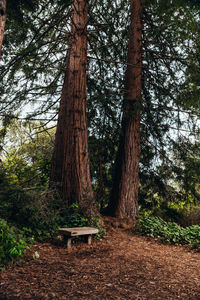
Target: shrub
<point>97,222</point>
<point>75,218</point>
<point>39,213</point>
<point>12,245</point>
<point>34,209</point>
<point>168,231</point>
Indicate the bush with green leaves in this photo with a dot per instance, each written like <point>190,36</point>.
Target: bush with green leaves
<point>95,221</point>
<point>39,213</point>
<point>35,210</point>
<point>75,218</point>
<point>12,244</point>
<point>169,232</point>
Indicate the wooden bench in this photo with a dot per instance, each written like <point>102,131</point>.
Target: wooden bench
<point>69,233</point>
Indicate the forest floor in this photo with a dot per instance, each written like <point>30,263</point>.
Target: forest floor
<point>120,266</point>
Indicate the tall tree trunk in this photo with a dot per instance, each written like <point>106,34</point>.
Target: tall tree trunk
<point>70,164</point>
<point>2,22</point>
<point>101,187</point>
<point>124,195</point>
<point>57,161</point>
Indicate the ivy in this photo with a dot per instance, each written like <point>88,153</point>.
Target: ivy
<point>168,232</point>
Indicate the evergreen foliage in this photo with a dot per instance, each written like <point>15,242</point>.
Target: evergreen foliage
<point>31,76</point>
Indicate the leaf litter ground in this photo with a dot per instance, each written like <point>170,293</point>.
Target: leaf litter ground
<point>121,266</point>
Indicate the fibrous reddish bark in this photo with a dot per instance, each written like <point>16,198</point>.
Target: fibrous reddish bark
<point>124,195</point>
<point>2,22</point>
<point>70,165</point>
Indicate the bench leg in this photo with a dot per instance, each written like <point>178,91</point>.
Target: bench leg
<point>69,243</point>
<point>89,239</point>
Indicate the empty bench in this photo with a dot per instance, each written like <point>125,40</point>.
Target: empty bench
<point>69,233</point>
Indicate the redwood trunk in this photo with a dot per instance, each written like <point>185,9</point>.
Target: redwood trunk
<point>124,195</point>
<point>101,187</point>
<point>58,154</point>
<point>2,22</point>
<point>70,164</point>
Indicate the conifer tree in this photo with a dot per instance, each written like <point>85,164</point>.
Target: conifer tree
<point>164,56</point>
<point>124,197</point>
<point>32,72</point>
<point>70,163</point>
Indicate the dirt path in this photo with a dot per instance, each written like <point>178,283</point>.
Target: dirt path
<point>122,266</point>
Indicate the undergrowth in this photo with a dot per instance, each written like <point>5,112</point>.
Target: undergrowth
<point>169,232</point>
<point>12,243</point>
<point>75,218</point>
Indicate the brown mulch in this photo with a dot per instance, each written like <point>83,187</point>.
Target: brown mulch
<point>121,266</point>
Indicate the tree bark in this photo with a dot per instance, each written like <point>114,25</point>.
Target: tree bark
<point>2,22</point>
<point>124,195</point>
<point>101,187</point>
<point>57,161</point>
<point>70,165</point>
